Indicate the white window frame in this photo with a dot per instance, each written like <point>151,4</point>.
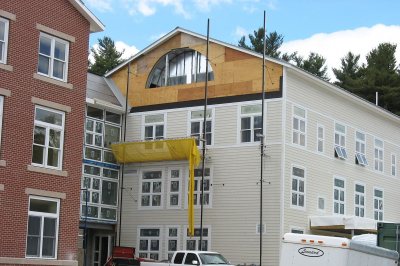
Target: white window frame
<point>3,52</point>
<point>197,238</point>
<point>149,238</point>
<point>393,158</point>
<point>201,120</point>
<point>361,195</point>
<point>378,161</point>
<point>197,192</point>
<point>320,139</point>
<point>43,215</point>
<point>339,201</point>
<point>154,124</point>
<point>380,201</point>
<point>297,192</point>
<point>179,192</point>
<point>49,126</point>
<point>299,132</point>
<point>318,208</point>
<point>251,116</point>
<point>168,237</point>
<point>361,147</point>
<point>52,58</point>
<point>1,115</point>
<point>161,193</point>
<point>340,148</point>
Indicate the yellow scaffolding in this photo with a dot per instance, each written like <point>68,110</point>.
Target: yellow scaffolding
<point>163,150</point>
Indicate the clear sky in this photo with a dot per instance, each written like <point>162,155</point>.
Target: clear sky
<point>330,28</point>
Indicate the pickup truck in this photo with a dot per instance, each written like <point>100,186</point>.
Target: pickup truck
<point>189,257</point>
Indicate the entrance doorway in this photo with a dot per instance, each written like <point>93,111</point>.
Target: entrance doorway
<point>102,249</point>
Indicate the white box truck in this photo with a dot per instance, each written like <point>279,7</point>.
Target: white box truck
<point>316,250</point>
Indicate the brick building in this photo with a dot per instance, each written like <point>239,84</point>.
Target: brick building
<point>43,64</point>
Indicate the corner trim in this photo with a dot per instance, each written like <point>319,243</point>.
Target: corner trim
<point>6,67</point>
<point>50,104</point>
<point>45,193</point>
<point>1,187</point>
<point>43,170</point>
<point>3,163</point>
<point>5,92</point>
<point>24,261</point>
<point>56,33</point>
<point>53,81</point>
<point>7,15</point>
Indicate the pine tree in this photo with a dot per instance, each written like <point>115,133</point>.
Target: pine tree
<point>349,74</point>
<point>272,43</point>
<point>106,57</point>
<point>315,64</point>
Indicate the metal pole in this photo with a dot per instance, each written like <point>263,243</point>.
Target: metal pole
<point>123,165</point>
<point>262,145</point>
<point>204,140</point>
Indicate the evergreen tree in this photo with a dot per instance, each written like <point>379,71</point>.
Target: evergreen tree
<point>315,64</point>
<point>272,43</point>
<point>349,74</point>
<point>106,57</point>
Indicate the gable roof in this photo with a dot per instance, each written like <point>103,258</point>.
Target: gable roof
<point>95,23</point>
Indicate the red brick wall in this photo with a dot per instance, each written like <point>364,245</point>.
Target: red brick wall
<point>17,134</point>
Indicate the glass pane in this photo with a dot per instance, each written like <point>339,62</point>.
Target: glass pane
<point>246,123</point>
<point>340,128</point>
<point>200,114</point>
<point>53,157</point>
<point>2,30</point>
<point>113,118</point>
<point>257,122</point>
<point>96,183</point>
<point>49,227</point>
<point>156,187</point>
<point>112,135</point>
<point>143,245</point>
<point>146,187</point>
<point>54,138</point>
<point>37,154</point>
<point>195,128</point>
<point>174,199</point>
<point>110,173</point>
<point>39,135</point>
<point>148,132</point>
<point>34,225</point>
<point>99,127</point>
<point>174,186</point>
<point>149,232</point>
<point>152,175</point>
<point>109,193</point>
<point>89,125</point>
<point>191,244</point>
<point>154,118</point>
<point>95,197</point>
<point>298,172</point>
<point>110,214</point>
<point>301,200</point>
<point>159,131</point>
<point>154,245</point>
<point>45,45</point>
<point>44,65</point>
<point>156,200</point>
<point>58,69</point>
<point>302,126</point>
<point>251,109</point>
<point>145,200</point>
<point>93,154</point>
<point>49,245</point>
<point>59,50</point>
<point>98,140</point>
<point>294,199</point>
<point>172,245</point>
<point>257,135</point>
<point>298,111</point>
<point>301,186</point>
<point>94,112</point>
<point>33,246</point>
<point>89,139</point>
<point>38,205</point>
<point>246,136</point>
<point>49,117</point>
<point>109,157</point>
<point>294,184</point>
<point>91,170</point>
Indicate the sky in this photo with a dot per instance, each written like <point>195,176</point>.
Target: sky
<point>328,27</point>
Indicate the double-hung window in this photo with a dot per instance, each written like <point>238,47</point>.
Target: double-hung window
<point>360,149</point>
<point>149,243</point>
<point>298,188</point>
<point>393,159</point>
<point>174,188</point>
<point>4,24</point>
<point>154,127</point>
<point>378,204</point>
<point>197,187</point>
<point>48,137</point>
<point>193,243</point>
<point>151,189</point>
<point>53,57</point>
<point>338,196</point>
<point>378,155</point>
<point>340,141</point>
<point>299,126</point>
<point>197,124</point>
<point>320,138</point>
<point>359,200</point>
<point>250,123</point>
<point>41,241</point>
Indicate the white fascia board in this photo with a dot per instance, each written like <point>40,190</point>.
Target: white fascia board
<point>95,24</point>
<point>117,93</point>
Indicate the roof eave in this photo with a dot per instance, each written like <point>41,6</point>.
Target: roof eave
<point>95,24</point>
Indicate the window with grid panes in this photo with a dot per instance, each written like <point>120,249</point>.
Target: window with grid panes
<point>197,123</point>
<point>193,243</point>
<point>151,189</point>
<point>154,127</point>
<point>4,25</point>
<point>149,243</point>
<point>378,155</point>
<point>320,138</point>
<point>298,187</point>
<point>338,196</point>
<point>340,141</point>
<point>378,204</point>
<point>359,200</point>
<point>394,165</point>
<point>172,239</point>
<point>197,187</point>
<point>250,123</point>
<point>360,149</point>
<point>175,184</point>
<point>299,126</point>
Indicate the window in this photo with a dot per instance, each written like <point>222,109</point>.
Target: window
<point>193,243</point>
<point>197,187</point>
<point>4,24</point>
<point>321,204</point>
<point>297,231</point>
<point>340,141</point>
<point>149,243</point>
<point>1,115</point>
<point>258,229</point>
<point>53,57</point>
<point>41,241</point>
<point>393,168</point>
<point>360,149</point>
<point>299,126</point>
<point>378,155</point>
<point>48,137</point>
<point>359,200</point>
<point>320,138</point>
<point>378,204</point>
<point>151,189</point>
<point>338,196</point>
<point>172,240</point>
<point>197,123</point>
<point>174,188</point>
<point>154,127</point>
<point>298,187</point>
<point>250,123</point>
<point>180,66</point>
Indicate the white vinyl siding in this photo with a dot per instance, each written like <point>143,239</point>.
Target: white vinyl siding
<point>250,123</point>
<point>299,126</point>
<point>378,204</point>
<point>339,196</point>
<point>340,141</point>
<point>298,187</point>
<point>378,155</point>
<point>320,138</point>
<point>4,26</point>
<point>359,200</point>
<point>154,127</point>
